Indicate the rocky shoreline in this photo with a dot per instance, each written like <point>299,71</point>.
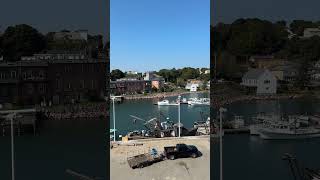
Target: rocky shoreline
<point>219,101</point>
<point>159,95</point>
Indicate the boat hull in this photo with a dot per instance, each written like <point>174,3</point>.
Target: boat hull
<point>277,135</point>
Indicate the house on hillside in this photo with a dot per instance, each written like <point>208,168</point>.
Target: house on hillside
<point>260,81</point>
<point>286,73</point>
<point>309,32</point>
<point>157,82</point>
<point>193,85</point>
<point>266,62</point>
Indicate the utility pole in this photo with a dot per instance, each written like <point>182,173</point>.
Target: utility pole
<point>222,110</point>
<point>114,119</point>
<point>12,148</point>
<point>179,97</point>
<point>215,67</point>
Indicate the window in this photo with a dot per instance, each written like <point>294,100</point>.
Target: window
<point>13,74</point>
<point>2,75</point>
<point>58,83</point>
<point>42,88</point>
<point>266,81</point>
<point>82,84</point>
<point>69,85</point>
<point>41,74</point>
<point>92,84</point>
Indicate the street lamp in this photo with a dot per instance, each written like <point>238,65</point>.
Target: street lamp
<point>179,97</point>
<point>221,110</point>
<point>114,119</point>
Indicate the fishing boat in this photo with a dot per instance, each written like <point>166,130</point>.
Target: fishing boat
<point>288,130</point>
<point>238,122</point>
<point>166,103</point>
<point>262,120</point>
<point>200,101</point>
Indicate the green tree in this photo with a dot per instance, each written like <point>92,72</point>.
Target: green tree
<point>21,40</point>
<point>116,74</point>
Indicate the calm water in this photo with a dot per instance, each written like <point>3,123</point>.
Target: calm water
<point>77,145</point>
<point>252,158</point>
<point>146,109</point>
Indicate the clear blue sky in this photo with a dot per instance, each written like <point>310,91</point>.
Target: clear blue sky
<point>274,10</point>
<point>155,34</point>
<point>55,15</point>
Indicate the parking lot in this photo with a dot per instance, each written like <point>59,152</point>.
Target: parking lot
<point>178,169</point>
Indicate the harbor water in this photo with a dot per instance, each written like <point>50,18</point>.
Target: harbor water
<point>250,157</point>
<point>146,110</point>
<point>78,145</point>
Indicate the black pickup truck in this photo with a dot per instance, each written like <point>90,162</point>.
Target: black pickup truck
<point>181,151</point>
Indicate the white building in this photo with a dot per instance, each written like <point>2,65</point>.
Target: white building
<point>76,35</point>
<point>309,32</point>
<point>193,85</point>
<point>260,80</point>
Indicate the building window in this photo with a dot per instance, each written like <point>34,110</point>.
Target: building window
<point>13,74</point>
<point>82,84</point>
<point>67,69</point>
<point>2,75</point>
<point>266,81</point>
<point>42,88</point>
<point>69,85</point>
<point>92,84</point>
<point>58,82</point>
<point>41,74</point>
<point>24,75</point>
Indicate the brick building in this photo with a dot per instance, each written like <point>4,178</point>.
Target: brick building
<point>31,82</point>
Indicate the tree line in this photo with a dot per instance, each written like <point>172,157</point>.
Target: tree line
<point>176,76</point>
<point>25,40</point>
<point>247,37</point>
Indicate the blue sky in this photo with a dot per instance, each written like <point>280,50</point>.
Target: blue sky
<point>155,34</point>
<point>55,15</point>
<point>274,10</point>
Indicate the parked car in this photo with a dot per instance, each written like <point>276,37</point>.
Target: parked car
<point>181,151</point>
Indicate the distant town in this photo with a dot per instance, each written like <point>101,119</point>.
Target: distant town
<point>258,57</point>
<point>58,68</point>
<point>162,81</point>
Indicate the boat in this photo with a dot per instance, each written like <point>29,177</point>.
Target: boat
<point>203,127</point>
<point>112,134</point>
<point>288,130</point>
<point>166,103</point>
<point>237,123</point>
<point>262,120</point>
<point>199,101</point>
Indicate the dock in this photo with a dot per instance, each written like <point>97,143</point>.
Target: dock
<point>237,131</point>
<point>23,121</point>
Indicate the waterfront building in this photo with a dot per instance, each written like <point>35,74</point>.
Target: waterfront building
<point>157,81</point>
<point>286,73</point>
<point>260,81</point>
<point>30,82</point>
<point>121,87</point>
<point>193,85</point>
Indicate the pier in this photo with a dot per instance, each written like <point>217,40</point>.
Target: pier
<point>23,120</point>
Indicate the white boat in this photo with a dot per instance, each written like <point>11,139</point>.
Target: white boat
<point>166,103</point>
<point>200,101</point>
<point>287,130</point>
<point>238,122</point>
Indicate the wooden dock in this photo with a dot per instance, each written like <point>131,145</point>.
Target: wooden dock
<point>23,121</point>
